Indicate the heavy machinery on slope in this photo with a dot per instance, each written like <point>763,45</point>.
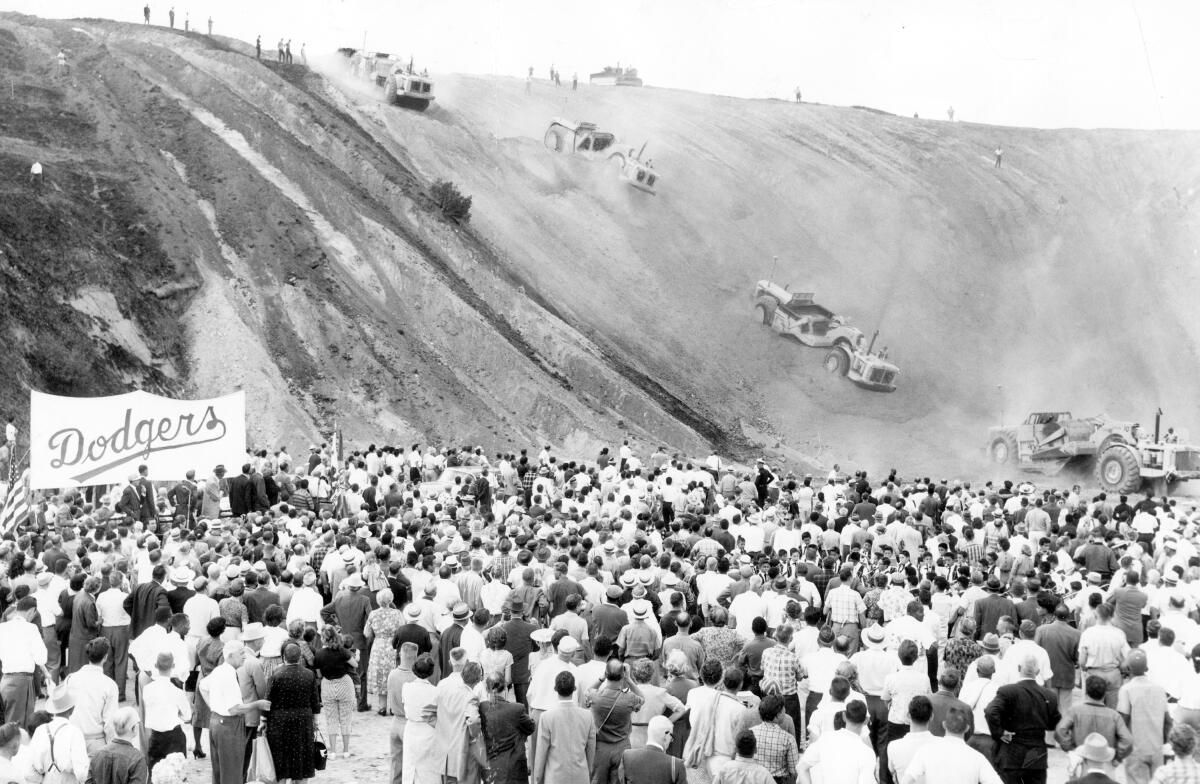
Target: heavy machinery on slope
<point>570,137</point>
<point>616,77</point>
<point>1123,457</point>
<point>401,84</point>
<point>797,315</point>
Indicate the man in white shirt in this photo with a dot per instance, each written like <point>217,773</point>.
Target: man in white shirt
<point>95,697</point>
<point>821,666</point>
<point>306,602</point>
<point>227,729</point>
<point>1019,651</point>
<point>114,627</point>
<point>167,708</point>
<point>900,752</point>
<point>162,636</point>
<point>949,760</point>
<point>840,756</point>
<point>22,652</point>
<point>58,743</point>
<point>46,596</point>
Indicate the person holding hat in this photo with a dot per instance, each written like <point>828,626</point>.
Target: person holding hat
<point>57,745</point>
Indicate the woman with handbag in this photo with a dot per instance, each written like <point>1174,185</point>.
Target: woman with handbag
<point>295,701</point>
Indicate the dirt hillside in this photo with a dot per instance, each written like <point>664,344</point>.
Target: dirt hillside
<point>212,222</point>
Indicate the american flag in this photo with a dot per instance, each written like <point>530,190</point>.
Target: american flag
<point>16,502</point>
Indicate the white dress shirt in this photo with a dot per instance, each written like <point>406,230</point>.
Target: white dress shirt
<point>200,609</point>
<point>949,760</point>
<point>840,757</point>
<point>47,600</point>
<point>96,700</point>
<point>110,605</point>
<point>155,640</point>
<point>221,689</point>
<point>305,606</point>
<point>70,751</point>
<point>167,705</point>
<point>21,646</point>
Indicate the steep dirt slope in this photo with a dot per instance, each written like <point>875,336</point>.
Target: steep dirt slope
<point>283,250</point>
<point>1068,277</point>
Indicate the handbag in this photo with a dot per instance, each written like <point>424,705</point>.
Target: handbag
<point>320,752</point>
<point>262,764</point>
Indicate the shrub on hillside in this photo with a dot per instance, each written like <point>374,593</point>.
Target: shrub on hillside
<point>453,203</point>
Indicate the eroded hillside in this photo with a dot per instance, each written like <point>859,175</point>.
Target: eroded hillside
<point>212,222</point>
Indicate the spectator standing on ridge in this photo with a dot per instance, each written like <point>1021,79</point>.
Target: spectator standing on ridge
<point>35,179</point>
<point>210,25</point>
<point>950,114</point>
<point>146,14</point>
<point>575,81</point>
<point>258,47</point>
<point>798,94</point>
<point>171,17</point>
<point>999,156</point>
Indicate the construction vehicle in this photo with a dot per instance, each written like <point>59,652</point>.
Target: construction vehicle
<point>569,137</point>
<point>797,315</point>
<point>616,77</point>
<point>1121,455</point>
<point>404,88</point>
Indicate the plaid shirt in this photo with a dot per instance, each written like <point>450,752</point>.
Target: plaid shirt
<point>1185,770</point>
<point>502,565</point>
<point>844,605</point>
<point>822,579</point>
<point>709,548</point>
<point>782,668</point>
<point>319,551</point>
<point>776,749</point>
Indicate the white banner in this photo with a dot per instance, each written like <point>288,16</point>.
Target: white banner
<point>102,440</point>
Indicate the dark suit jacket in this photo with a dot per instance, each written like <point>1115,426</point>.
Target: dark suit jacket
<point>258,497</point>
<point>257,602</point>
<point>241,495</point>
<point>520,645</point>
<point>505,727</point>
<point>450,640</point>
<point>989,610</point>
<point>1061,642</point>
<point>349,611</point>
<point>652,765</point>
<point>1028,711</point>
<point>130,505</point>
<point>141,605</point>
<point>178,596</point>
<point>146,493</point>
<point>186,497</point>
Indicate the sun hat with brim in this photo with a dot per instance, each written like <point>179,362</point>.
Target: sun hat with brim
<point>353,581</point>
<point>253,631</point>
<point>61,700</point>
<point>641,613</point>
<point>541,635</point>
<point>874,637</point>
<point>990,643</point>
<point>412,611</point>
<point>1096,749</point>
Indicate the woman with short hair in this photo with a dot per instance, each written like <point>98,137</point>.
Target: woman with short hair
<point>289,724</point>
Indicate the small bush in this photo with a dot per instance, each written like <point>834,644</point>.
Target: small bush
<point>453,203</point>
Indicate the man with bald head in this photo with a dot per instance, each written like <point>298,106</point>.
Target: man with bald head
<point>1019,718</point>
<point>652,764</point>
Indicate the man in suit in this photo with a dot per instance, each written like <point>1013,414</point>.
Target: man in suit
<point>991,608</point>
<point>85,623</point>
<point>349,610</point>
<point>1019,718</point>
<point>145,491</point>
<point>186,498</point>
<point>145,600</point>
<point>506,725</point>
<point>241,493</point>
<point>260,598</point>
<point>452,637</point>
<point>130,504</point>
<point>652,764</point>
<point>1061,641</point>
<point>181,588</point>
<point>519,643</point>
<point>566,739</point>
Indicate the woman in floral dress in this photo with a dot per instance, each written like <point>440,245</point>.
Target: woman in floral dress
<point>381,626</point>
<point>497,662</point>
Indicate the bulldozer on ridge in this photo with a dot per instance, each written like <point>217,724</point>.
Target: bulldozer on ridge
<point>1121,455</point>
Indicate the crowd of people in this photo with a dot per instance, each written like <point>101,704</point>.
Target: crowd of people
<point>628,618</point>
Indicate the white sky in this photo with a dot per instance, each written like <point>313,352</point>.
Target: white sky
<point>1047,63</point>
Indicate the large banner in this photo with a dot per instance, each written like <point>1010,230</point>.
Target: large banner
<point>102,440</point>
